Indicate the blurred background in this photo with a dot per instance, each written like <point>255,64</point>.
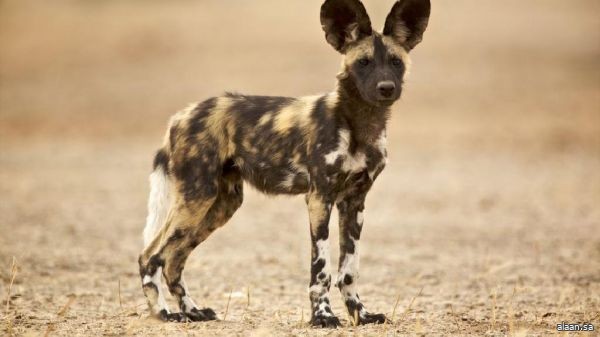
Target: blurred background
<point>493,185</point>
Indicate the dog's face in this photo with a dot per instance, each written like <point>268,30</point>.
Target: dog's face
<point>376,66</point>
<point>374,63</point>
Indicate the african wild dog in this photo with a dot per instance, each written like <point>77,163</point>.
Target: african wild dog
<point>330,147</point>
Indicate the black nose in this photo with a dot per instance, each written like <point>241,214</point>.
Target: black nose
<point>386,88</point>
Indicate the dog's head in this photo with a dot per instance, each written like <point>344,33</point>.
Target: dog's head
<point>374,63</point>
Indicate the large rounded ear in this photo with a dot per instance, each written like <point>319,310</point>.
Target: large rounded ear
<point>344,22</point>
<point>407,22</point>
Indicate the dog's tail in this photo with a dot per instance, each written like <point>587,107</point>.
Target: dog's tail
<point>158,201</point>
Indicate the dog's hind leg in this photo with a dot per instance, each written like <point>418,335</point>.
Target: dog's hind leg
<point>228,200</point>
<point>158,207</point>
<point>179,228</point>
<point>195,184</point>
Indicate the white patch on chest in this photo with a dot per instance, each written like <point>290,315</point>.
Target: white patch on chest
<point>350,162</point>
<point>359,218</point>
<point>380,144</point>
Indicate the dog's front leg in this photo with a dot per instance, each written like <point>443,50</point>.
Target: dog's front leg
<point>319,209</point>
<point>351,221</point>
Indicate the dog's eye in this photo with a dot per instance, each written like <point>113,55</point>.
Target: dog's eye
<point>396,62</point>
<point>364,61</point>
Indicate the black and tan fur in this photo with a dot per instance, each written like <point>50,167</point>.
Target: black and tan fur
<point>329,147</point>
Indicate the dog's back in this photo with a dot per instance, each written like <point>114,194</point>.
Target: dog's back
<point>265,138</point>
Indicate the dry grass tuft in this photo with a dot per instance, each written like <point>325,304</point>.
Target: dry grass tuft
<point>13,275</point>
<point>8,321</point>
<point>59,314</point>
<point>412,301</point>
<point>494,295</point>
<point>227,306</point>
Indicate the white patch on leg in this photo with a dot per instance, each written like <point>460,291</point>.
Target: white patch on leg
<point>156,279</point>
<point>350,267</point>
<point>359,218</point>
<point>158,204</point>
<point>350,264</point>
<point>322,253</point>
<point>319,287</point>
<point>187,299</point>
<point>321,309</point>
<point>189,303</point>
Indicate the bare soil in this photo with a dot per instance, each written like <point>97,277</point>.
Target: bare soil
<point>485,222</point>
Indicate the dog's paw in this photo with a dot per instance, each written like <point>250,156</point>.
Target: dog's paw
<point>369,318</point>
<point>199,315</point>
<point>320,321</point>
<point>166,316</point>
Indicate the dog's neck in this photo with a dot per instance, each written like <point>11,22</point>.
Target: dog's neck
<point>365,121</point>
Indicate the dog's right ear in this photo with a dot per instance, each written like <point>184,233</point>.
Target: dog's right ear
<point>344,22</point>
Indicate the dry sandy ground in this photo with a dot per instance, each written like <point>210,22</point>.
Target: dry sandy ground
<point>485,222</point>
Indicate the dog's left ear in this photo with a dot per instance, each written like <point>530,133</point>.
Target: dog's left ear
<point>407,22</point>
<point>344,22</point>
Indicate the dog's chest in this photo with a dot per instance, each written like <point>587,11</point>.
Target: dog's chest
<point>346,161</point>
